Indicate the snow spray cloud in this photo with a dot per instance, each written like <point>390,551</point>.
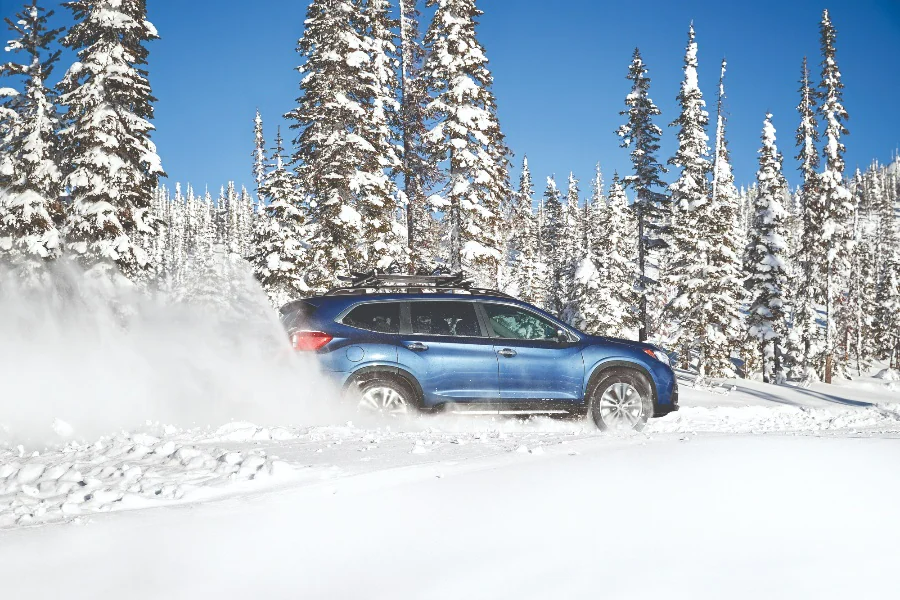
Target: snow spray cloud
<point>84,357</point>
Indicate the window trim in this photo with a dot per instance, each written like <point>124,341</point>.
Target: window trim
<point>482,325</point>
<point>574,337</point>
<point>344,313</point>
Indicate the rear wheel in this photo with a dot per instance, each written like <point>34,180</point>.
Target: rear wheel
<point>621,401</point>
<point>384,397</point>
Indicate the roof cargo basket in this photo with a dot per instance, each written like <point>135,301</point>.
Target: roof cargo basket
<point>374,281</point>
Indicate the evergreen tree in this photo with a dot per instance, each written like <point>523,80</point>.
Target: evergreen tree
<point>805,331</point>
<point>553,244</point>
<point>259,152</point>
<point>650,205</point>
<point>691,213</point>
<point>886,322</point>
<point>337,161</point>
<point>279,252</point>
<point>382,238</point>
<point>28,225</point>
<point>766,261</point>
<point>857,317</point>
<point>572,250</point>
<point>418,170</point>
<point>837,199</point>
<point>524,241</point>
<point>112,166</point>
<point>605,295</point>
<point>595,212</point>
<point>724,279</point>
<point>466,135</point>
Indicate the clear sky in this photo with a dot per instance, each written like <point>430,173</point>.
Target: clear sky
<point>559,70</point>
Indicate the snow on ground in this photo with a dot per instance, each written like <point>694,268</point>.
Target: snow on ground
<point>774,491</point>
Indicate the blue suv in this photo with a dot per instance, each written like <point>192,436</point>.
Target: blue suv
<point>402,343</point>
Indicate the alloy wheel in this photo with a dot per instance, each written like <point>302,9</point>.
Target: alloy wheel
<point>621,406</point>
<point>383,400</point>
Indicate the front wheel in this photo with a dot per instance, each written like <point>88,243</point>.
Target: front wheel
<point>383,397</point>
<point>621,402</point>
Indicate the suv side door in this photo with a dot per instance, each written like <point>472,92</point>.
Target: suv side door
<point>445,345</point>
<point>534,364</point>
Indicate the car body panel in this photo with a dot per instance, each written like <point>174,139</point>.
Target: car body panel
<point>451,369</point>
<point>540,371</point>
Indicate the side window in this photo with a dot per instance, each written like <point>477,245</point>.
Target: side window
<point>444,318</point>
<point>513,323</point>
<point>380,317</point>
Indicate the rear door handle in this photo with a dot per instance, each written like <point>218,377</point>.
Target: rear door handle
<point>417,347</point>
<point>507,352</point>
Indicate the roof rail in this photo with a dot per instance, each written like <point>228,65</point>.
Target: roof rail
<point>360,283</point>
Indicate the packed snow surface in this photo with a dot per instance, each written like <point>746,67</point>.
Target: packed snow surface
<point>749,491</point>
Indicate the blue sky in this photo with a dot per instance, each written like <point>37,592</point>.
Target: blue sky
<point>559,76</point>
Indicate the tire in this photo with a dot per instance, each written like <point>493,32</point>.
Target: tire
<point>383,396</point>
<point>614,406</point>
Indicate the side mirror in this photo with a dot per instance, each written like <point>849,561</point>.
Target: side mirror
<point>561,336</point>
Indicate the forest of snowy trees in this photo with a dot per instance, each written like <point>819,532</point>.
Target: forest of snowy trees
<point>396,161</point>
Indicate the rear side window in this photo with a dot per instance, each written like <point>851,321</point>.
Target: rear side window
<point>380,317</point>
<point>444,318</point>
<point>296,314</point>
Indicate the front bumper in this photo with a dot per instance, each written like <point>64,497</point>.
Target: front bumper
<point>661,410</point>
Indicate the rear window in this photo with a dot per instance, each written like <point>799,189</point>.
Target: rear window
<point>445,318</point>
<point>380,317</point>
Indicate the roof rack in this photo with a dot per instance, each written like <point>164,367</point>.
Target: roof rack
<point>361,283</point>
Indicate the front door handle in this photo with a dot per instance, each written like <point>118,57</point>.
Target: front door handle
<point>507,352</point>
<point>417,347</point>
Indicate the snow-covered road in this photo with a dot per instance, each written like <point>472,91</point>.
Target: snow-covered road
<point>766,492</point>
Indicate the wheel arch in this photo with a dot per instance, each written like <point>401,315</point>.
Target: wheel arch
<point>609,367</point>
<point>391,372</point>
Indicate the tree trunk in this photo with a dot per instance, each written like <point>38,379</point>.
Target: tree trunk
<point>642,330</point>
<point>765,372</point>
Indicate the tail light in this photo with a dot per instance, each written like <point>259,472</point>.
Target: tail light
<point>309,341</point>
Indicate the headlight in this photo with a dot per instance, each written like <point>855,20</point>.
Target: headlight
<point>659,355</point>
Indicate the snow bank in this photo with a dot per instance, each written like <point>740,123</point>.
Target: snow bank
<point>123,472</point>
<point>760,419</point>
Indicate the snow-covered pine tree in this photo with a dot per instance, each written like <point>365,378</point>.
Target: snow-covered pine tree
<point>112,165</point>
<point>723,287</point>
<point>245,222</point>
<point>691,216</point>
<point>523,245</point>
<point>232,219</point>
<point>382,237</point>
<point>573,252</point>
<point>765,262</point>
<point>28,231</point>
<point>595,212</point>
<point>838,201</point>
<point>605,295</point>
<point>279,250</point>
<point>418,168</point>
<point>553,244</point>
<point>466,137</point>
<point>859,308</point>
<point>886,322</point>
<point>336,160</point>
<point>805,335</point>
<point>650,205</point>
<point>259,152</point>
